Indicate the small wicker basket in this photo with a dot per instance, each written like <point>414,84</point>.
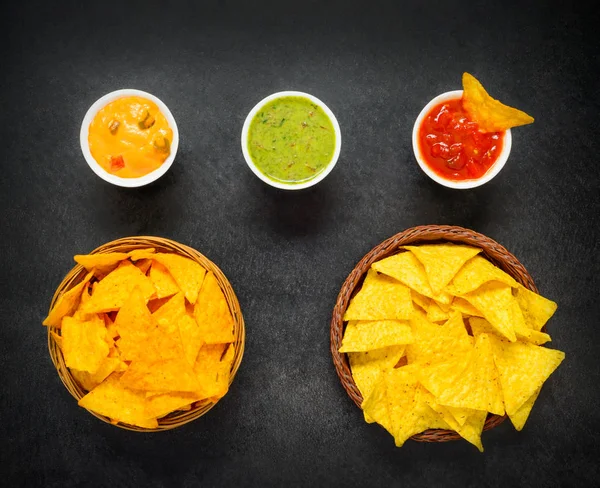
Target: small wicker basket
<point>127,244</point>
<point>491,250</point>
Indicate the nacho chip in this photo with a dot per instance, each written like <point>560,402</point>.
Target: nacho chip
<point>112,399</point>
<point>188,274</point>
<point>475,273</point>
<point>160,405</point>
<point>496,302</point>
<point>406,268</point>
<point>90,381</point>
<point>380,298</point>
<point>435,313</point>
<point>489,113</point>
<point>143,265</point>
<point>191,339</point>
<point>103,263</point>
<point>366,335</point>
<point>84,343</point>
<point>519,418</point>
<point>138,254</point>
<point>66,303</point>
<point>477,387</point>
<point>421,300</point>
<point>112,292</point>
<point>523,369</point>
<point>57,339</point>
<point>536,309</point>
<point>465,307</point>
<point>163,281</point>
<point>212,369</point>
<point>173,374</point>
<point>442,261</point>
<point>169,314</point>
<point>212,313</point>
<point>367,366</point>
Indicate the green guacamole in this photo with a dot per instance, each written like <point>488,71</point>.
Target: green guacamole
<point>291,140</point>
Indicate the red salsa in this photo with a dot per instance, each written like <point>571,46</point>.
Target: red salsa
<point>452,145</point>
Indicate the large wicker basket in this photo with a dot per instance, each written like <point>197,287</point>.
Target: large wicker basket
<point>127,244</point>
<point>491,250</point>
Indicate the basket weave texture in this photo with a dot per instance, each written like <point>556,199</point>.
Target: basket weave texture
<point>127,244</point>
<point>425,234</point>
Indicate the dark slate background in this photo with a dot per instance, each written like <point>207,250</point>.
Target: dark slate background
<point>286,420</point>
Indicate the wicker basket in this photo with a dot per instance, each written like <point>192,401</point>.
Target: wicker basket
<point>127,244</point>
<point>491,250</point>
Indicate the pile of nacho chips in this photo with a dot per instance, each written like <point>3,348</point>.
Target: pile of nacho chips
<point>438,336</point>
<point>146,334</point>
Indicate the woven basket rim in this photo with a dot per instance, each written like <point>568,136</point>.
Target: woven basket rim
<point>422,234</point>
<point>161,244</point>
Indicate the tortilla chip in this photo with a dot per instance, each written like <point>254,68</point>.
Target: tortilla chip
<point>112,399</point>
<point>477,387</point>
<point>365,335</point>
<point>475,273</point>
<point>84,343</point>
<point>173,374</point>
<point>465,307</point>
<point>191,338</point>
<point>143,265</point>
<point>213,368</point>
<point>536,309</point>
<point>66,303</point>
<point>138,254</point>
<point>57,339</point>
<point>188,274</point>
<point>490,114</point>
<point>523,369</point>
<point>497,303</point>
<point>380,298</point>
<point>519,418</point>
<point>170,313</point>
<point>163,281</point>
<point>435,313</point>
<point>90,381</point>
<point>421,300</point>
<point>367,366</point>
<point>442,261</point>
<point>212,314</point>
<point>103,263</point>
<point>406,268</point>
<point>160,405</point>
<point>112,292</point>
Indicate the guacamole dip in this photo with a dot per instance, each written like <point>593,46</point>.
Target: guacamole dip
<point>291,140</point>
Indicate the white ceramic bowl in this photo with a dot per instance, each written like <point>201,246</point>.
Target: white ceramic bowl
<point>464,184</point>
<point>291,186</point>
<point>99,170</point>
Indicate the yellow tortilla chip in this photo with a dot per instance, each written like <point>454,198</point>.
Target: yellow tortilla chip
<point>169,314</point>
<point>160,405</point>
<point>465,307</point>
<point>191,338</point>
<point>143,265</point>
<point>212,313</point>
<point>475,273</point>
<point>477,387</point>
<point>366,335</point>
<point>420,300</point>
<point>523,369</point>
<point>406,268</point>
<point>435,313</point>
<point>112,399</point>
<point>489,113</point>
<point>90,381</point>
<point>57,339</point>
<point>66,303</point>
<point>213,368</point>
<point>380,298</point>
<point>103,263</point>
<point>536,309</point>
<point>116,287</point>
<point>496,302</point>
<point>367,366</point>
<point>442,261</point>
<point>84,343</point>
<point>519,418</point>
<point>188,274</point>
<point>173,374</point>
<point>163,281</point>
<point>137,254</point>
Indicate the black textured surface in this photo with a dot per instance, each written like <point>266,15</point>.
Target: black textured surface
<point>286,420</point>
